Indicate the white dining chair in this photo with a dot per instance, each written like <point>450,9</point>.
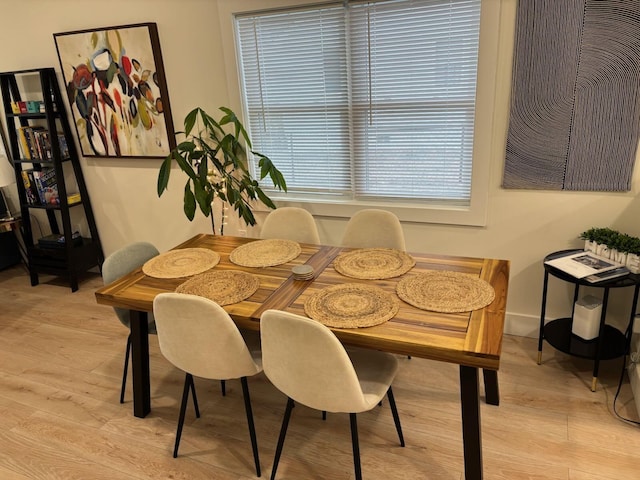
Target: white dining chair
<point>374,228</point>
<point>116,265</point>
<point>306,361</point>
<point>290,223</point>
<point>199,337</point>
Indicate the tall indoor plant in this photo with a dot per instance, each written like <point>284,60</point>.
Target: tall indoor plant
<point>215,163</point>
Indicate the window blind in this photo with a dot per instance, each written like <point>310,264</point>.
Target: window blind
<point>365,99</point>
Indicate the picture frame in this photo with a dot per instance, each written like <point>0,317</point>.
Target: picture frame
<point>117,91</point>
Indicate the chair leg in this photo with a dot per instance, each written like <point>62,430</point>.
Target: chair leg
<point>396,417</point>
<point>324,414</point>
<point>283,432</point>
<point>223,388</point>
<point>126,368</point>
<point>188,382</point>
<point>356,445</point>
<point>252,429</point>
<point>195,399</point>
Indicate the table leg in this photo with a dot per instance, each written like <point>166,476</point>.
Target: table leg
<point>471,438</point>
<point>542,313</point>
<point>491,389</point>
<point>596,361</point>
<point>140,363</point>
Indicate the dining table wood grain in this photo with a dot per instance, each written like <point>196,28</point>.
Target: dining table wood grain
<point>472,340</point>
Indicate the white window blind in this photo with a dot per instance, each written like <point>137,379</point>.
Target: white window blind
<point>365,100</point>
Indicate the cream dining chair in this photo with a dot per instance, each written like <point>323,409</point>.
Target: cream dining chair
<point>290,223</point>
<point>306,361</point>
<point>199,337</point>
<point>116,265</point>
<point>374,228</point>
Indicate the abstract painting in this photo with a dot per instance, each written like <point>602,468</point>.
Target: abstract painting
<point>117,92</point>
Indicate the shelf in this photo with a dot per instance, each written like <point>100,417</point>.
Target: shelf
<point>28,132</point>
<point>558,334</point>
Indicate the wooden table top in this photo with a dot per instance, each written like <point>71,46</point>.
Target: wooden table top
<point>471,338</point>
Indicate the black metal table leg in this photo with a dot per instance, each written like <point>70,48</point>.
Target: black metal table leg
<point>491,389</point>
<point>596,362</point>
<point>140,363</point>
<point>471,436</point>
<point>542,314</point>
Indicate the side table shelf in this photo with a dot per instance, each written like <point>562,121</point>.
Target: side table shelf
<point>610,342</point>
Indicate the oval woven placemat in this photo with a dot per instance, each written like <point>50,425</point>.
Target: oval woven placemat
<point>265,253</point>
<point>374,263</point>
<point>445,291</point>
<point>351,305</point>
<point>222,286</point>
<point>183,262</point>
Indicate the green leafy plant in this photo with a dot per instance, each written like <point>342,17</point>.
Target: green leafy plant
<point>613,239</point>
<point>215,163</point>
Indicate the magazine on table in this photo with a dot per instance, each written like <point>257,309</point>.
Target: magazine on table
<point>586,264</point>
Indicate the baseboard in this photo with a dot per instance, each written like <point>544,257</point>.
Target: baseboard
<point>522,325</point>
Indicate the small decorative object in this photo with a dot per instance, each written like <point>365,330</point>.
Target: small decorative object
<point>117,90</point>
<point>616,246</point>
<point>215,163</point>
<point>586,317</point>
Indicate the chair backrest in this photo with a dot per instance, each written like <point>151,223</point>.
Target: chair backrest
<point>123,261</point>
<point>291,223</point>
<point>304,360</point>
<point>373,228</point>
<point>199,337</point>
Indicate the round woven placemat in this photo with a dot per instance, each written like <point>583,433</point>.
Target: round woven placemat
<point>183,262</point>
<point>444,291</point>
<point>374,263</point>
<point>351,305</point>
<point>265,253</point>
<point>222,286</point>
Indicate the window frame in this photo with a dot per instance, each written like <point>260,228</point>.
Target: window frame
<point>474,214</point>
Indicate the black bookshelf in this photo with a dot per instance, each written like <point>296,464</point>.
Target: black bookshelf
<point>49,150</point>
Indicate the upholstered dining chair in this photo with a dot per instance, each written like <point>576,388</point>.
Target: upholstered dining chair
<point>374,228</point>
<point>116,265</point>
<point>306,361</point>
<point>290,223</point>
<point>199,337</point>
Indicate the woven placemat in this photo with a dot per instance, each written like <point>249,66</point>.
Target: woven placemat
<point>183,262</point>
<point>374,263</point>
<point>265,253</point>
<point>222,286</point>
<point>351,305</point>
<point>445,291</point>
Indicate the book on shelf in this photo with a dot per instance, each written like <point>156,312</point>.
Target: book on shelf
<point>583,264</point>
<point>56,240</point>
<point>31,191</point>
<point>35,143</point>
<point>47,186</point>
<point>73,198</point>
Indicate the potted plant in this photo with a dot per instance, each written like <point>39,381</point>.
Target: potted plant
<point>215,163</point>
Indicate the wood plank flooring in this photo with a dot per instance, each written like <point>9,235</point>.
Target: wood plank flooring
<point>61,360</point>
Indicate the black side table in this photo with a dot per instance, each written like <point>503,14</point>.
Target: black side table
<point>610,342</point>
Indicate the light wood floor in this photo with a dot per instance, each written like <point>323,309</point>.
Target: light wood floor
<point>61,356</point>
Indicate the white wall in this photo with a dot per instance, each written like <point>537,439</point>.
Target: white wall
<point>522,226</point>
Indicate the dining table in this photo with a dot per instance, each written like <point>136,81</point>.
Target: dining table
<point>472,339</point>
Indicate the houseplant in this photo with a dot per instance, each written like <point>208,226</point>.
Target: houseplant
<point>215,163</point>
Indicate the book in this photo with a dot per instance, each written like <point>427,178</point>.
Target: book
<point>73,198</point>
<point>608,275</point>
<point>56,240</point>
<point>583,264</point>
<point>31,191</point>
<point>47,186</point>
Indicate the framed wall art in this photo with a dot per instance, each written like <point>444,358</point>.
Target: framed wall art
<point>117,92</point>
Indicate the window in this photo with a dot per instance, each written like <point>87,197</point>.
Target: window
<point>381,103</point>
